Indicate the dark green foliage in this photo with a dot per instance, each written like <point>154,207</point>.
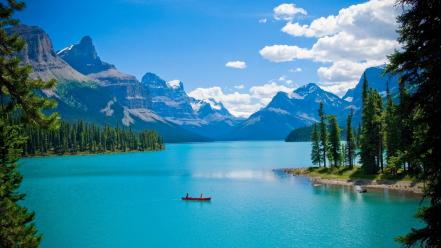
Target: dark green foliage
<point>303,134</point>
<point>315,151</point>
<point>419,63</point>
<point>81,137</point>
<point>18,102</point>
<point>406,129</point>
<point>326,146</point>
<point>371,142</point>
<point>350,146</point>
<point>323,134</point>
<point>392,130</point>
<point>334,141</point>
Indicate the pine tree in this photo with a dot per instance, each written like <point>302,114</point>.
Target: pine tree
<point>404,115</point>
<point>334,141</point>
<point>315,142</point>
<point>19,104</point>
<point>392,128</point>
<point>378,132</point>
<point>418,63</point>
<point>323,134</point>
<point>350,141</point>
<point>369,131</point>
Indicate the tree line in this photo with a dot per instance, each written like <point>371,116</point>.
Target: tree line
<point>381,142</point>
<point>326,141</point>
<point>82,137</point>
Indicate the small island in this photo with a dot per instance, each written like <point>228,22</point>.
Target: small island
<point>355,176</point>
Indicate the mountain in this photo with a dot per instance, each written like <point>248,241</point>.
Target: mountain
<point>379,80</point>
<point>39,54</point>
<point>93,90</point>
<point>218,120</point>
<point>96,91</point>
<point>152,100</point>
<point>288,111</point>
<point>169,100</point>
<point>84,58</point>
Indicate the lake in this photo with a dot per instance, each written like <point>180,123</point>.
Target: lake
<point>133,200</point>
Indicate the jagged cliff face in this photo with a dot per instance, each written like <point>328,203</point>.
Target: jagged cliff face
<point>84,58</point>
<point>124,89</point>
<point>39,54</point>
<point>169,100</point>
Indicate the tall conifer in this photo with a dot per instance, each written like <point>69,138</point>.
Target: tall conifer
<point>350,141</point>
<point>323,134</point>
<point>315,143</point>
<point>334,141</point>
<point>19,104</point>
<point>418,64</point>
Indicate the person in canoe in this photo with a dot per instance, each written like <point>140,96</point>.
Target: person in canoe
<point>201,198</point>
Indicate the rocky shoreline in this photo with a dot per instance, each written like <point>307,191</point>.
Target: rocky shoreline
<point>397,185</point>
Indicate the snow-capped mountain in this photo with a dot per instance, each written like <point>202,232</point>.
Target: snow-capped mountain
<point>169,100</point>
<point>220,120</point>
<point>288,111</point>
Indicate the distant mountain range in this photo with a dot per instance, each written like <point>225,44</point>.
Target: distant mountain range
<point>96,91</point>
<point>288,111</point>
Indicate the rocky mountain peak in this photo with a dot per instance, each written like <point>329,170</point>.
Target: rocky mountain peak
<point>39,53</point>
<point>38,45</point>
<point>153,80</point>
<point>308,89</point>
<point>84,58</point>
<point>86,41</point>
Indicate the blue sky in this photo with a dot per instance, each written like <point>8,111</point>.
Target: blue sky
<point>193,40</point>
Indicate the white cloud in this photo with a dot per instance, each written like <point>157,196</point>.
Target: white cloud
<point>242,104</point>
<point>287,11</point>
<point>284,53</point>
<point>237,64</point>
<point>297,69</point>
<point>263,20</point>
<point>373,19</point>
<point>359,36</point>
<point>239,87</point>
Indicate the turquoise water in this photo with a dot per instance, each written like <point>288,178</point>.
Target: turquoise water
<point>133,200</point>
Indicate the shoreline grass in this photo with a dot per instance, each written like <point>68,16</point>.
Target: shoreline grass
<point>347,173</point>
<point>355,176</point>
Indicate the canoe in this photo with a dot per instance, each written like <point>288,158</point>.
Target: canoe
<point>196,198</point>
